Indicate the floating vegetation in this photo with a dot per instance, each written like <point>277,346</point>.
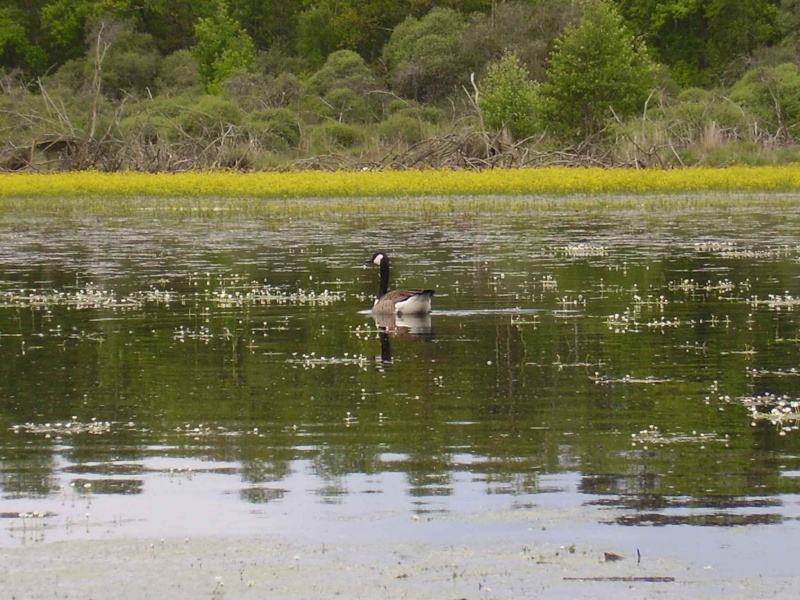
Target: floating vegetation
<point>768,253</point>
<point>781,411</point>
<point>695,347</point>
<point>714,246</point>
<point>691,286</point>
<point>659,302</point>
<point>663,323</point>
<point>519,320</point>
<point>730,250</point>
<point>88,297</point>
<point>365,331</point>
<point>560,365</point>
<point>549,283</point>
<point>653,436</point>
<point>264,294</point>
<point>61,428</point>
<point>207,430</point>
<point>602,379</point>
<point>568,302</point>
<point>311,361</point>
<point>777,302</point>
<point>793,372</point>
<point>622,322</point>
<point>235,291</point>
<point>627,322</point>
<point>203,333</point>
<point>232,293</point>
<point>582,250</point>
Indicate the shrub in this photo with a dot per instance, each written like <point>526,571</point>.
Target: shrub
<point>210,116</point>
<point>400,127</point>
<point>179,71</point>
<point>255,91</point>
<point>131,65</point>
<point>275,128</point>
<point>509,98</point>
<point>343,69</point>
<point>72,75</point>
<point>343,135</point>
<point>699,115</point>
<point>346,106</point>
<point>772,96</point>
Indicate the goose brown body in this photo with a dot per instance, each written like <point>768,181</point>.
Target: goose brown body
<point>410,301</point>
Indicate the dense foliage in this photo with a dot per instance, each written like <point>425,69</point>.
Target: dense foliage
<point>155,85</point>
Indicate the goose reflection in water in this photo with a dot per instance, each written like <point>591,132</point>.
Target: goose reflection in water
<point>406,326</point>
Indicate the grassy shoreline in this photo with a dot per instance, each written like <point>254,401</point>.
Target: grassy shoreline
<point>307,192</point>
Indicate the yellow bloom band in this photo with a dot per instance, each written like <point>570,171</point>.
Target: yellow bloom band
<point>343,184</point>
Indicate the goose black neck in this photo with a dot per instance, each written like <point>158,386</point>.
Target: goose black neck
<point>384,277</point>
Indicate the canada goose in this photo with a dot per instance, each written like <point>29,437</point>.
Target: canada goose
<point>412,302</point>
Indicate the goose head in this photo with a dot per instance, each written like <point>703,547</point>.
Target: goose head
<point>377,259</point>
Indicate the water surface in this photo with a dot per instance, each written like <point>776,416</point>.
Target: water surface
<point>195,376</point>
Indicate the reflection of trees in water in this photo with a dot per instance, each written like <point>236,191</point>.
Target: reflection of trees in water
<point>26,473</point>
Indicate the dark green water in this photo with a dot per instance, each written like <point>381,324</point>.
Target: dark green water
<point>188,376</point>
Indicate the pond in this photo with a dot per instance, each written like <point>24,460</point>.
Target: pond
<point>631,374</point>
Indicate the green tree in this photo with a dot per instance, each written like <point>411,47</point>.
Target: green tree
<point>222,47</point>
<point>528,29</point>
<point>508,97</point>
<point>68,22</point>
<point>425,56</point>
<point>170,23</point>
<point>16,49</point>
<point>317,35</point>
<point>363,27</point>
<point>597,71</point>
<point>267,23</point>
<point>695,37</point>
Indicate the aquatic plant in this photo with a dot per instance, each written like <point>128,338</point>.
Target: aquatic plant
<point>777,302</point>
<point>312,361</point>
<point>781,411</point>
<point>793,372</point>
<point>689,286</point>
<point>653,436</point>
<point>727,249</point>
<point>582,250</point>
<point>61,428</point>
<point>262,294</point>
<point>234,291</point>
<point>627,379</point>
